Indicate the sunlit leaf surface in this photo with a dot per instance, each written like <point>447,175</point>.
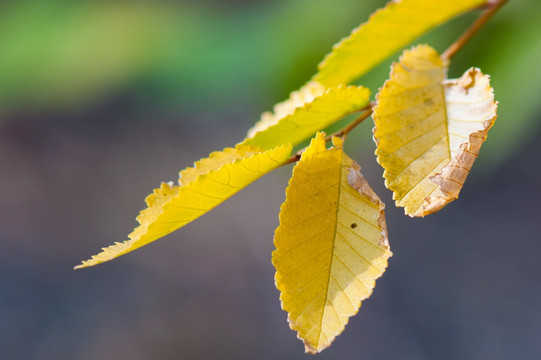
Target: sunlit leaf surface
<point>308,110</point>
<point>331,244</point>
<point>387,31</point>
<point>209,183</point>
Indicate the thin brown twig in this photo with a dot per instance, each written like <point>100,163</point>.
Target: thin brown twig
<point>294,158</point>
<point>492,8</point>
<point>342,133</point>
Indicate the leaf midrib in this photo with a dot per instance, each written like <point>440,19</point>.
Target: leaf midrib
<point>339,193</point>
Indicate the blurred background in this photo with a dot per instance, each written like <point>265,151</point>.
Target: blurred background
<point>100,101</point>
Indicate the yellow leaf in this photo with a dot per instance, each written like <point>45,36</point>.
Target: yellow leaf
<point>387,30</point>
<point>429,130</point>
<point>297,99</point>
<point>308,110</point>
<point>201,188</point>
<point>331,244</point>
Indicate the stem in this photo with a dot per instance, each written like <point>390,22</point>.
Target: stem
<point>342,133</point>
<point>473,29</point>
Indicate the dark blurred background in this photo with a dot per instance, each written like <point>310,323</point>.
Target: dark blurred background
<point>100,101</point>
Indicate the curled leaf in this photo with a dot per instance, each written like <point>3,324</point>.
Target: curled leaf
<point>388,30</point>
<point>429,130</point>
<point>201,188</point>
<point>331,244</point>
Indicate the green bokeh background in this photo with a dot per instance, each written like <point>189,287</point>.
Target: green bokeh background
<point>189,56</point>
<point>102,100</point>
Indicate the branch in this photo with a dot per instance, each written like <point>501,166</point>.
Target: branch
<point>492,8</point>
